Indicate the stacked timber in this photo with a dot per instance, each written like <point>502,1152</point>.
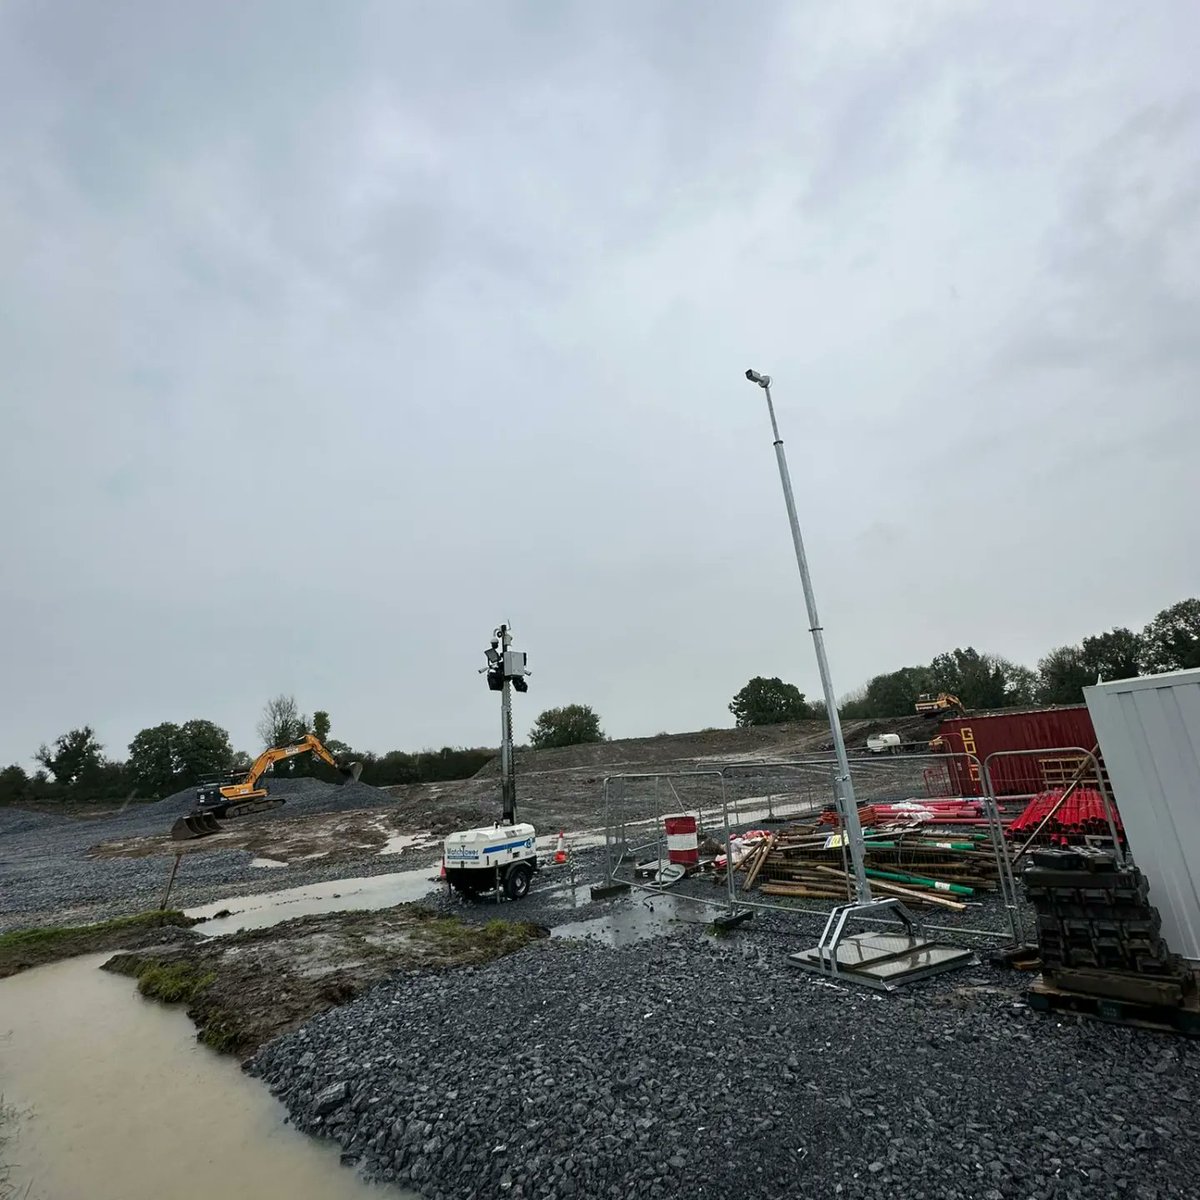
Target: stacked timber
<point>916,865</point>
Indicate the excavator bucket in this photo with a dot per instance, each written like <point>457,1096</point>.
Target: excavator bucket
<point>195,825</point>
<point>351,772</point>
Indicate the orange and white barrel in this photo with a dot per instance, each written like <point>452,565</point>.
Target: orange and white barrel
<point>683,843</point>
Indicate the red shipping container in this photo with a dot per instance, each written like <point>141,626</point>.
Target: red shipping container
<point>1046,729</point>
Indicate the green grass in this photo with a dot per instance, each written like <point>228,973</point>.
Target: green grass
<point>26,948</point>
<point>173,982</point>
<point>475,942</point>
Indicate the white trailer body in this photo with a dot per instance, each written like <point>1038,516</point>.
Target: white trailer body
<point>504,856</point>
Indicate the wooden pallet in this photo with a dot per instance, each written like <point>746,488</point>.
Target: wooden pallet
<point>1183,1018</point>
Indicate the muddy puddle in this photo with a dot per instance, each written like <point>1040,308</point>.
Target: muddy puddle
<point>635,919</point>
<point>335,895</point>
<point>114,1099</point>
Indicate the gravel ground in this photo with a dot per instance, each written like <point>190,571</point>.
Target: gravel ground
<point>669,1063</point>
<point>683,1066</point>
<point>47,876</point>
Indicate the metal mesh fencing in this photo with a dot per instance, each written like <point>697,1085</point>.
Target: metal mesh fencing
<point>771,837</point>
<point>1044,782</point>
<point>948,876</point>
<point>636,808</point>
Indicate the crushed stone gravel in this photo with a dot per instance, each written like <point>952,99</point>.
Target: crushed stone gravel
<point>685,1066</point>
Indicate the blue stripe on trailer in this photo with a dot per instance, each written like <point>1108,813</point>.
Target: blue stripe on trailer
<point>522,844</point>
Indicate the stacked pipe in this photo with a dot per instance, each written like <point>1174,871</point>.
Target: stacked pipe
<point>1080,812</point>
<point>808,861</point>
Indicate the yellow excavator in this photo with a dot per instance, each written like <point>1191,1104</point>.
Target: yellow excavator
<point>237,795</point>
<point>941,705</point>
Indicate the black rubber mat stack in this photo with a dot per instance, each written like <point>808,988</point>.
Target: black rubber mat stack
<point>1097,931</point>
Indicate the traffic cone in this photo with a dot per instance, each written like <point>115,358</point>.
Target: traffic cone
<point>442,874</point>
<point>560,855</point>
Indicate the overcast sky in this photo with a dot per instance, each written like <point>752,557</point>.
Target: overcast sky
<point>331,335</point>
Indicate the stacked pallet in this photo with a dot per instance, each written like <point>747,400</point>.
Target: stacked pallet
<point>919,867</point>
<point>1097,930</point>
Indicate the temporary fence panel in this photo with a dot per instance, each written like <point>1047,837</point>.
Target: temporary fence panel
<point>805,862</point>
<point>1149,730</point>
<point>646,813</point>
<point>1079,775</point>
<point>745,809</point>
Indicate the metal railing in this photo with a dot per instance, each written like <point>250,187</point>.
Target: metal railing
<point>769,794</point>
<point>1031,773</point>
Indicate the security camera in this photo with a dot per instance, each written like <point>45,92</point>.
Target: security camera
<point>761,380</point>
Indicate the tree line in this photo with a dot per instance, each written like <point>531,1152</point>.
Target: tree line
<point>1170,642</point>
<point>169,757</point>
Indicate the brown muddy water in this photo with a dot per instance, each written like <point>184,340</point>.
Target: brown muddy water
<point>114,1099</point>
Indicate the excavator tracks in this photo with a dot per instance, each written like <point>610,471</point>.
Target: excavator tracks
<point>203,824</point>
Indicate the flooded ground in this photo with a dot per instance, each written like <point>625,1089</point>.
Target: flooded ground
<point>335,895</point>
<point>116,1100</point>
<point>636,918</point>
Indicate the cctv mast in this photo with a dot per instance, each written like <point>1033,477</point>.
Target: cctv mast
<point>505,671</point>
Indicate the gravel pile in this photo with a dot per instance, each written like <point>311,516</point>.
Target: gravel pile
<point>685,1067</point>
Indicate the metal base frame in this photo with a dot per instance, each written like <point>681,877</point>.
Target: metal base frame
<point>860,958</point>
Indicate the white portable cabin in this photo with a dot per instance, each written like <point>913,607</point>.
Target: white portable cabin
<point>1149,734</point>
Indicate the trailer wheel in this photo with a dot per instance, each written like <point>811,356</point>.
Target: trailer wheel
<point>516,882</point>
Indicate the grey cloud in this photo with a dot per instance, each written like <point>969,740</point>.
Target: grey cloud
<point>333,334</point>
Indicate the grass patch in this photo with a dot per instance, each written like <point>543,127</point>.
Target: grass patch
<point>173,982</point>
<point>25,948</point>
<point>457,940</point>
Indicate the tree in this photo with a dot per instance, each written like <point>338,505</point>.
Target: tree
<point>320,726</point>
<point>152,763</point>
<point>281,722</point>
<point>981,681</point>
<point>241,761</point>
<point>768,702</point>
<point>1171,641</point>
<point>14,784</point>
<point>75,755</point>
<point>202,748</point>
<point>571,725</point>
<point>1020,683</point>
<point>1066,671</point>
<point>1115,654</point>
<point>1062,676</point>
<point>167,757</point>
<point>894,694</point>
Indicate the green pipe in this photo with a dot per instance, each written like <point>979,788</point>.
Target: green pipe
<point>903,877</point>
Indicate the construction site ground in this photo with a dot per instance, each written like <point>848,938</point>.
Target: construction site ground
<point>58,869</point>
<point>564,1046</point>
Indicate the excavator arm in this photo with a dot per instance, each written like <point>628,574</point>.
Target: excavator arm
<point>268,758</point>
